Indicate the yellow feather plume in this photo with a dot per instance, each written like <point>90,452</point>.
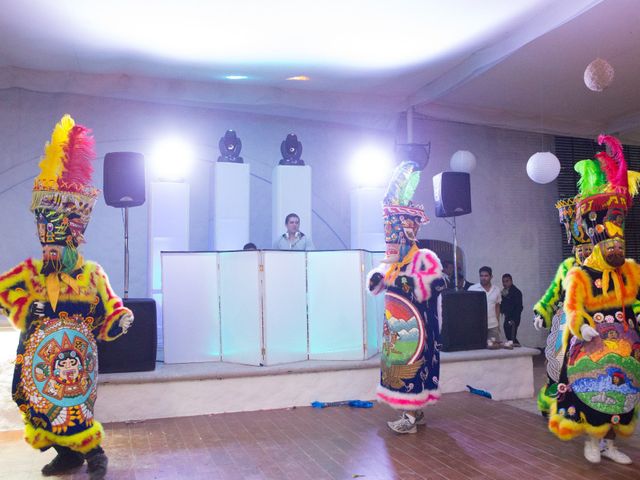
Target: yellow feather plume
<point>634,182</point>
<point>51,163</point>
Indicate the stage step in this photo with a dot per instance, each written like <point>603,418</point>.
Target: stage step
<point>207,388</point>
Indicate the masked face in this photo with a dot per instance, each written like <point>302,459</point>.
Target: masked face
<point>613,251</point>
<point>52,258</point>
<point>583,251</point>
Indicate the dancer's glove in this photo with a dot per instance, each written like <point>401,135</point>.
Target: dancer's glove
<point>125,322</point>
<point>374,281</point>
<point>538,322</point>
<point>588,332</point>
<point>37,309</point>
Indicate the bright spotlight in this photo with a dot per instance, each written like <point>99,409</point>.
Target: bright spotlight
<point>172,159</point>
<point>371,167</point>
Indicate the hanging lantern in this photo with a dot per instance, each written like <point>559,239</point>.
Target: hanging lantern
<point>598,75</point>
<point>543,167</point>
<point>463,161</point>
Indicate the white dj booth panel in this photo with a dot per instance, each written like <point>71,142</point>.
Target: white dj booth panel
<point>240,307</point>
<point>336,308</point>
<point>191,313</point>
<point>269,307</point>
<point>284,307</point>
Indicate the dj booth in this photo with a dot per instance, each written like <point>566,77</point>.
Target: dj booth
<point>272,307</point>
<point>269,307</point>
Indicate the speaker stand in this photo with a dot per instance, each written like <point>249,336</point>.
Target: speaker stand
<point>126,252</point>
<point>455,253</point>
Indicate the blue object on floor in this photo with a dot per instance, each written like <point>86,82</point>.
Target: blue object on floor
<point>350,403</point>
<point>477,391</point>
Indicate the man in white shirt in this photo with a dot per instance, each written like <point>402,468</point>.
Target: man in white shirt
<point>293,238</point>
<point>494,298</point>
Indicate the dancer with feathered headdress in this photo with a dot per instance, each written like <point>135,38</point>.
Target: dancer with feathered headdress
<point>598,391</point>
<point>410,364</point>
<point>62,304</point>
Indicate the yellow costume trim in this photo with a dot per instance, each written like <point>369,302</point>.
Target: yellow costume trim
<point>580,298</point>
<point>394,270</point>
<point>82,442</point>
<point>566,429</point>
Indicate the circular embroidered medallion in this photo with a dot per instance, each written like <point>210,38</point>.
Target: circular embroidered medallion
<point>605,372</point>
<point>59,371</point>
<point>403,330</point>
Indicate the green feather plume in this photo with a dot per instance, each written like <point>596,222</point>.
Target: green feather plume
<point>410,188</point>
<point>592,179</point>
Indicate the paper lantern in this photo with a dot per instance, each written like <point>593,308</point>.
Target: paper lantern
<point>598,75</point>
<point>543,167</point>
<point>463,161</point>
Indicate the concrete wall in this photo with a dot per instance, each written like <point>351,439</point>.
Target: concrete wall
<point>513,226</point>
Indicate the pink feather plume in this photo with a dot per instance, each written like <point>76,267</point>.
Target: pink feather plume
<point>615,168</point>
<point>79,153</point>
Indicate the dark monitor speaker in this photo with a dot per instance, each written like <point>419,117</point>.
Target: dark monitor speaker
<point>136,350</point>
<point>124,179</point>
<point>452,194</point>
<point>464,320</point>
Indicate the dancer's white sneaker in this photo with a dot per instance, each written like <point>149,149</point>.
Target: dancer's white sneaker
<point>592,450</point>
<point>611,452</point>
<point>406,424</point>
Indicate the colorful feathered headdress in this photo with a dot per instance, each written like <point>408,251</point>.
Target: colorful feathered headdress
<point>63,196</point>
<point>402,218</point>
<point>606,189</point>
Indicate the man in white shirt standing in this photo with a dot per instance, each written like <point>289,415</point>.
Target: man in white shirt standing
<point>293,238</point>
<point>493,306</point>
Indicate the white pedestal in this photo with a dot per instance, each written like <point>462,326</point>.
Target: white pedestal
<point>367,226</point>
<point>231,206</point>
<point>291,193</point>
<point>191,308</point>
<point>168,230</point>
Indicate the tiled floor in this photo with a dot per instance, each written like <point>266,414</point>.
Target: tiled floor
<point>467,437</point>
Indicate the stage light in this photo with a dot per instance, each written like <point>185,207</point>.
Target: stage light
<point>371,166</point>
<point>299,78</point>
<point>236,77</point>
<point>172,159</point>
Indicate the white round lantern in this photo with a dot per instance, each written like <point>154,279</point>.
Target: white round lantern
<point>598,75</point>
<point>543,167</point>
<point>463,161</point>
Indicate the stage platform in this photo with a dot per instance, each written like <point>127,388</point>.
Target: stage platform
<point>176,390</point>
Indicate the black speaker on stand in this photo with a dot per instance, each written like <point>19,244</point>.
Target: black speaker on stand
<point>452,195</point>
<point>124,187</point>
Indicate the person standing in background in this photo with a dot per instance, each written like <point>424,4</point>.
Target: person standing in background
<point>493,306</point>
<point>511,308</point>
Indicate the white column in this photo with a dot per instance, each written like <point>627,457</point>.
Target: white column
<point>367,227</point>
<point>231,206</point>
<point>168,230</point>
<point>291,191</point>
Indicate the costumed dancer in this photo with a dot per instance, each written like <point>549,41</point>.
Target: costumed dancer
<point>410,364</point>
<point>62,304</point>
<point>599,384</point>
<point>548,310</point>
